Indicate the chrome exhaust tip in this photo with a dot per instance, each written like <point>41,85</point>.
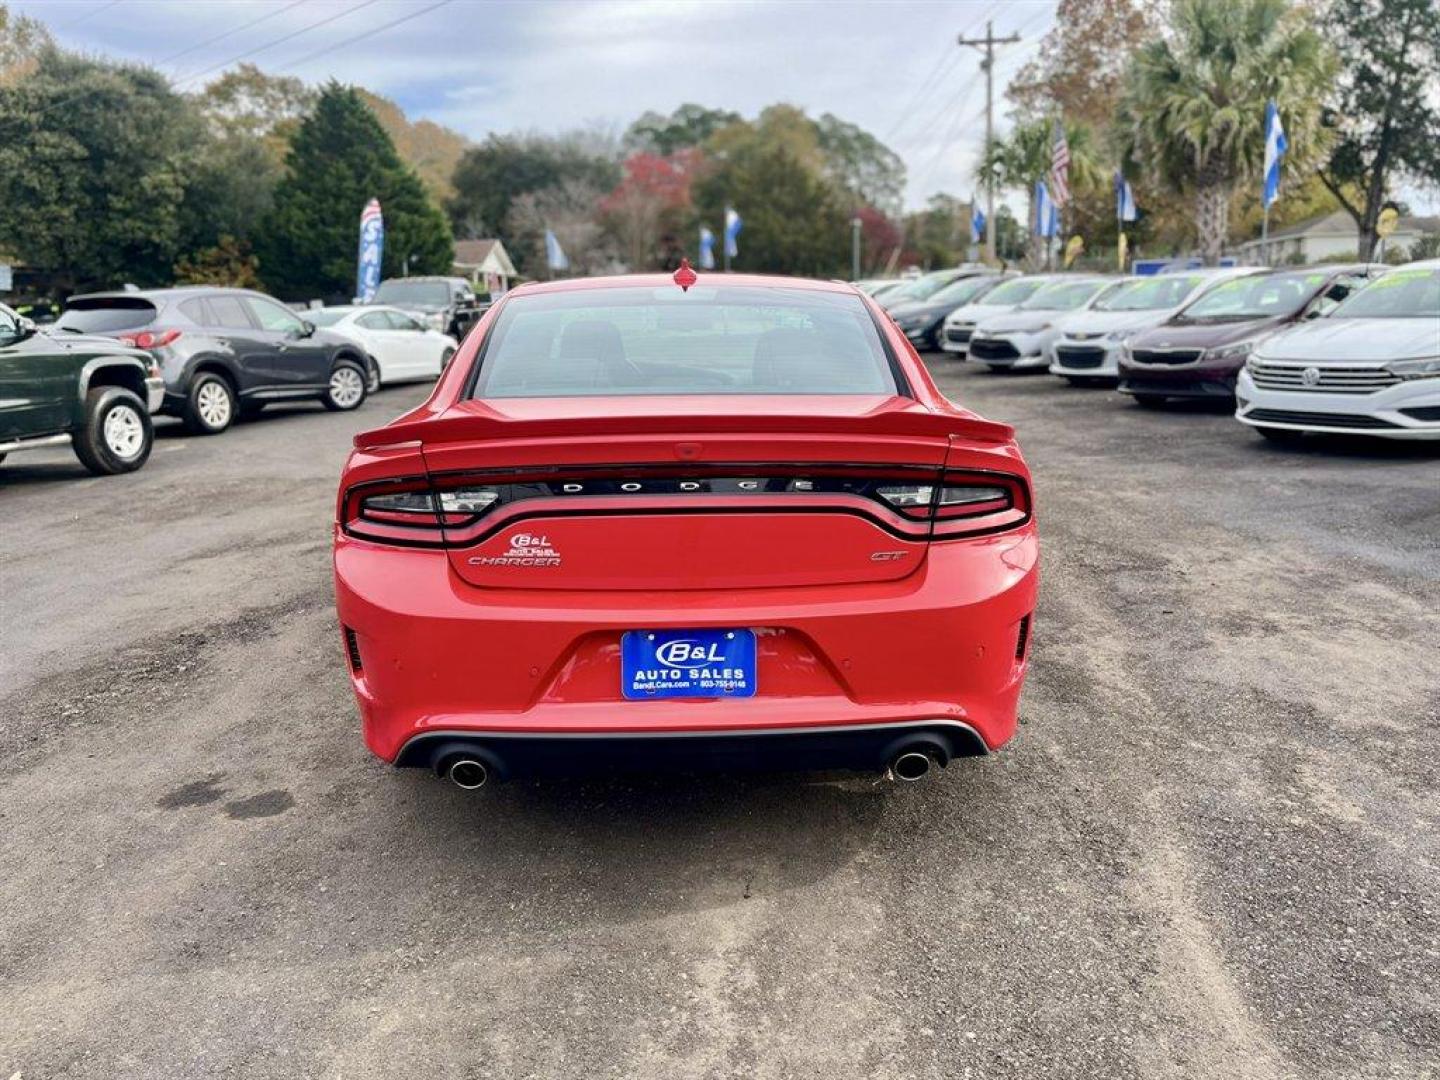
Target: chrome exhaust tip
<point>910,766</point>
<point>468,773</point>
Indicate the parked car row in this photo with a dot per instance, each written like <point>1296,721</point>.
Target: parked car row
<point>1349,348</point>
<point>204,354</point>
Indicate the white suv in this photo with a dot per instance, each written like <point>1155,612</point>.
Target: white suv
<point>1371,367</point>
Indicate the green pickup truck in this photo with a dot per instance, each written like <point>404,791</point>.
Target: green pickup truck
<point>90,392</point>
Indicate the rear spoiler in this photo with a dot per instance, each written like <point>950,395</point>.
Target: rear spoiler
<point>475,427</point>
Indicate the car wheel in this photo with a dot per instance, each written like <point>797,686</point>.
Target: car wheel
<point>117,434</point>
<point>446,357</point>
<point>346,389</point>
<point>372,375</point>
<point>210,407</point>
<point>1150,401</point>
<point>1282,436</point>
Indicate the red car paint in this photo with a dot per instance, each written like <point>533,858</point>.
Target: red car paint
<point>506,624</point>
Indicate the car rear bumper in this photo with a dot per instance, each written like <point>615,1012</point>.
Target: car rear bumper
<point>947,644</point>
<point>1408,410</point>
<point>861,748</point>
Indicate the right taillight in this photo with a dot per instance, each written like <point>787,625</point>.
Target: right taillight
<point>965,504</point>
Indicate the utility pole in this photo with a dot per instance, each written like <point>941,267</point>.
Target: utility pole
<point>855,248</point>
<point>987,45</point>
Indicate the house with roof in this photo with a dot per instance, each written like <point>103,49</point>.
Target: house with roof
<point>1327,237</point>
<point>486,263</point>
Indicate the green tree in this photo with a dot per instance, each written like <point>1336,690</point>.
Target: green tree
<point>95,162</point>
<point>1385,107</point>
<point>860,164</point>
<point>245,104</point>
<point>1192,112</point>
<point>492,176</point>
<point>689,125</point>
<point>794,223</point>
<point>1022,156</point>
<point>339,159</point>
<point>22,39</point>
<point>229,262</point>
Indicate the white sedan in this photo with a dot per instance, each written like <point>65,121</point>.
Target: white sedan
<point>1370,367</point>
<point>399,346</point>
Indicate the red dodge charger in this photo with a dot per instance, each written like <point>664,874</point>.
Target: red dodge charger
<point>722,520</point>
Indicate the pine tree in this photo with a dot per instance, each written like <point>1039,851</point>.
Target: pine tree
<point>339,159</point>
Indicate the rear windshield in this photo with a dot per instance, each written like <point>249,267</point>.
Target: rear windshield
<point>413,293</point>
<point>1257,297</point>
<point>1400,294</point>
<point>711,340</point>
<point>106,316</point>
<point>326,316</point>
<point>1150,294</point>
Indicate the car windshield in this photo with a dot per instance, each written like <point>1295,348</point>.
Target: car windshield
<point>924,287</point>
<point>1063,295</point>
<point>1013,292</point>
<point>105,316</point>
<point>963,291</point>
<point>1400,294</point>
<point>709,340</point>
<point>1150,294</point>
<point>434,294</point>
<point>1257,297</point>
<point>326,316</point>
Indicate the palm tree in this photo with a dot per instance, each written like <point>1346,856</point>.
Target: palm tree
<point>1193,108</point>
<point>1022,157</point>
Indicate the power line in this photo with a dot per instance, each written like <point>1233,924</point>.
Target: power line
<point>277,41</point>
<point>272,13</point>
<point>88,15</point>
<point>361,37</point>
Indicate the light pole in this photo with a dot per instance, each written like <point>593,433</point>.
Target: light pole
<point>855,248</point>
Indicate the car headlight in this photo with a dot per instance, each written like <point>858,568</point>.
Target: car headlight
<point>1427,368</point>
<point>1118,335</point>
<point>1230,352</point>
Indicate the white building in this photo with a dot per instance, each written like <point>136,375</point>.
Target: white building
<point>486,263</point>
<point>1328,237</point>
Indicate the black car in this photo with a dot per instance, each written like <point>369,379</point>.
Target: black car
<point>225,352</point>
<point>921,319</point>
<point>447,304</point>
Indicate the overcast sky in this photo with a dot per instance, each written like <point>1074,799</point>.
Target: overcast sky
<point>480,66</point>
<point>891,66</point>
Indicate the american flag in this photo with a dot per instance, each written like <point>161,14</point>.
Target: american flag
<point>1059,166</point>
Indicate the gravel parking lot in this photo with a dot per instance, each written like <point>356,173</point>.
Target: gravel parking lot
<point>1212,851</point>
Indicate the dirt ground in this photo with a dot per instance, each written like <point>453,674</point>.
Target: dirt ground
<point>1211,851</point>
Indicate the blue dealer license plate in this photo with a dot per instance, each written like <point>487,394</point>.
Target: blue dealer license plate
<point>687,663</point>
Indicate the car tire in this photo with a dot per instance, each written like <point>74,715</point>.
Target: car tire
<point>1150,401</point>
<point>210,406</point>
<point>372,375</point>
<point>117,434</point>
<point>347,386</point>
<point>1281,436</point>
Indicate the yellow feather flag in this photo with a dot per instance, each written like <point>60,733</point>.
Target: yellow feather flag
<point>1073,250</point>
<point>1124,250</point>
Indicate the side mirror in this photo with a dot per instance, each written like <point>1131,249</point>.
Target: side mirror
<point>26,328</point>
<point>307,328</point>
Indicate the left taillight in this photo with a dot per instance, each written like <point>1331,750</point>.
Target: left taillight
<point>410,511</point>
<point>150,339</point>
